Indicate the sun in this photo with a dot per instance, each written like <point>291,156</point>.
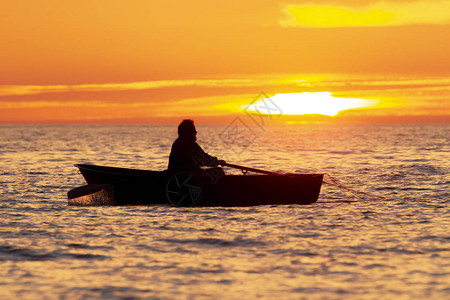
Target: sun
<point>321,103</point>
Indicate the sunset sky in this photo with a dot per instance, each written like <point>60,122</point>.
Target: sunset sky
<point>144,61</point>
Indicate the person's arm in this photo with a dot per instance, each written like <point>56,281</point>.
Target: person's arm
<point>221,162</point>
<point>204,159</point>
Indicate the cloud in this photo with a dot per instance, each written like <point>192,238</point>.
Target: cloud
<point>382,13</point>
<point>262,81</point>
<point>199,106</point>
<point>18,90</point>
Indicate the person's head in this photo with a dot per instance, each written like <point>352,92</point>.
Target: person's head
<point>187,130</point>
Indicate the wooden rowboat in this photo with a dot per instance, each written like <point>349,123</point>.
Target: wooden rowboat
<point>122,186</point>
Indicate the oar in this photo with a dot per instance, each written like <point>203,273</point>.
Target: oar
<point>246,169</point>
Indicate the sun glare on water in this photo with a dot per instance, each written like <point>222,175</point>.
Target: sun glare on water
<point>322,103</point>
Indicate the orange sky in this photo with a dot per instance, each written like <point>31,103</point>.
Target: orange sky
<point>148,61</point>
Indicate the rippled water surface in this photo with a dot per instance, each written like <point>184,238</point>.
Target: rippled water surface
<point>348,245</point>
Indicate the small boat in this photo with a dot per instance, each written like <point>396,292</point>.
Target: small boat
<point>123,186</point>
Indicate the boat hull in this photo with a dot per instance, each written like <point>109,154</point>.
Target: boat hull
<point>131,186</point>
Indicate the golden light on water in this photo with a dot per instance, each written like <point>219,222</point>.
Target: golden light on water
<point>321,103</point>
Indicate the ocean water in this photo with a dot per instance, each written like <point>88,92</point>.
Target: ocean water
<point>383,234</point>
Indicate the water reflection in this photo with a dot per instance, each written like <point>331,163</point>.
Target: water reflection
<point>397,247</point>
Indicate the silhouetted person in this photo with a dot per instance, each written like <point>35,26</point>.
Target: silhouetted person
<point>187,155</point>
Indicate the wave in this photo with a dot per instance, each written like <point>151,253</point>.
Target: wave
<point>13,253</point>
<point>237,242</point>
